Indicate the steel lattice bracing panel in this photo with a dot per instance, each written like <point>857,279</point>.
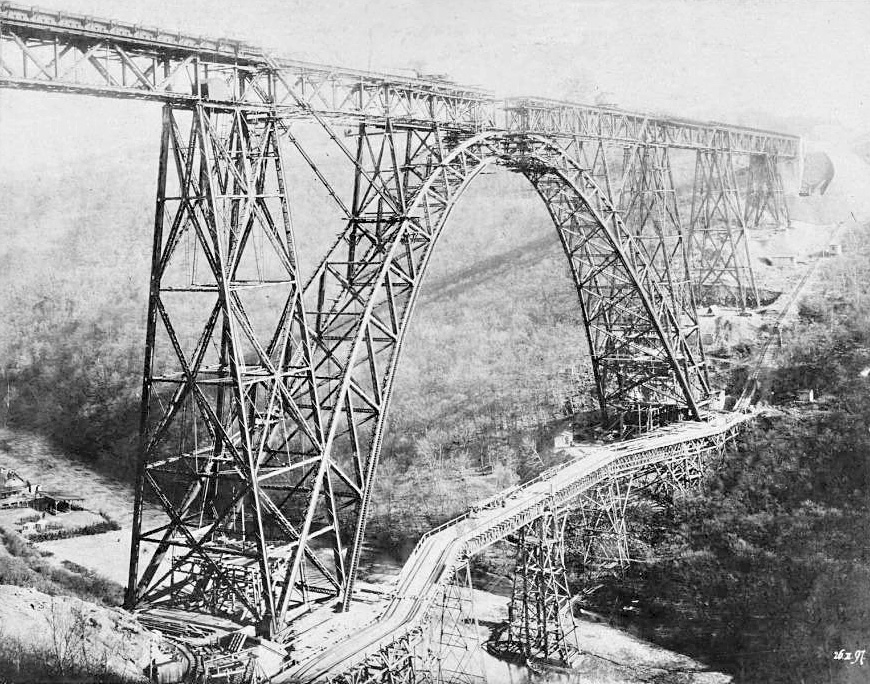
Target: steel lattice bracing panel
<point>600,518</point>
<point>452,649</point>
<point>765,197</point>
<point>592,156</point>
<point>540,620</point>
<point>719,250</point>
<point>649,208</point>
<point>227,373</point>
<point>648,205</point>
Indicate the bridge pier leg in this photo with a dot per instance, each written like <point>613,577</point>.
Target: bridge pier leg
<point>225,316</point>
<point>592,156</point>
<point>765,197</point>
<point>603,530</point>
<point>649,208</point>
<point>647,201</point>
<point>718,249</point>
<point>540,620</point>
<point>453,647</point>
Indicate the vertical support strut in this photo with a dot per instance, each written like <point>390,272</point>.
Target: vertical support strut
<point>718,250</point>
<point>540,620</point>
<point>228,407</point>
<point>591,155</point>
<point>765,197</point>
<point>650,210</point>
<point>454,650</point>
<point>603,530</point>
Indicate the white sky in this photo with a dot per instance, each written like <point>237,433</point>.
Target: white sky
<point>729,60</point>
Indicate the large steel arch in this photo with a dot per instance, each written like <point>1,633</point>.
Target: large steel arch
<point>645,350</point>
<point>262,427</point>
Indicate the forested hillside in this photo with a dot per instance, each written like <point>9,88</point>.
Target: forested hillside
<point>763,573</point>
<point>486,361</point>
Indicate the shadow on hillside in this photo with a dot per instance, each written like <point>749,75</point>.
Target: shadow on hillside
<point>464,279</point>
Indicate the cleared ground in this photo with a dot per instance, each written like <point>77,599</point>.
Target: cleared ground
<point>35,459</point>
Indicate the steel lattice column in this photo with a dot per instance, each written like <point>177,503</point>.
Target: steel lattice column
<point>453,650</point>
<point>719,251</point>
<point>540,619</point>
<point>592,156</point>
<point>601,519</point>
<point>765,197</point>
<point>649,208</point>
<point>227,368</point>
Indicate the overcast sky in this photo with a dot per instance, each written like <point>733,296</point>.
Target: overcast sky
<point>722,59</point>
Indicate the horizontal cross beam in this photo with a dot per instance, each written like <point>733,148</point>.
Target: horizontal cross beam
<point>569,119</point>
<point>64,52</point>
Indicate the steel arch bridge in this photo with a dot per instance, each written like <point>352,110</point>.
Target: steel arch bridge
<point>264,398</point>
<point>298,415</point>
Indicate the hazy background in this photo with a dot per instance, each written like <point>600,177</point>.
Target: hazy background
<point>747,62</point>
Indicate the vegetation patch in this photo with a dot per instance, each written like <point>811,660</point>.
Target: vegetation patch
<point>22,564</point>
<point>764,572</point>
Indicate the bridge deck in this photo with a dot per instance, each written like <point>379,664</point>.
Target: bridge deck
<point>64,52</point>
<point>327,646</point>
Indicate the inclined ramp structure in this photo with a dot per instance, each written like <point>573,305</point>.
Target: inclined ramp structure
<point>339,644</point>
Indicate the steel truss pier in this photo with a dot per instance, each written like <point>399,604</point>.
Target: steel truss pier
<point>453,650</point>
<point>540,621</point>
<point>227,359</point>
<point>765,195</point>
<point>718,245</point>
